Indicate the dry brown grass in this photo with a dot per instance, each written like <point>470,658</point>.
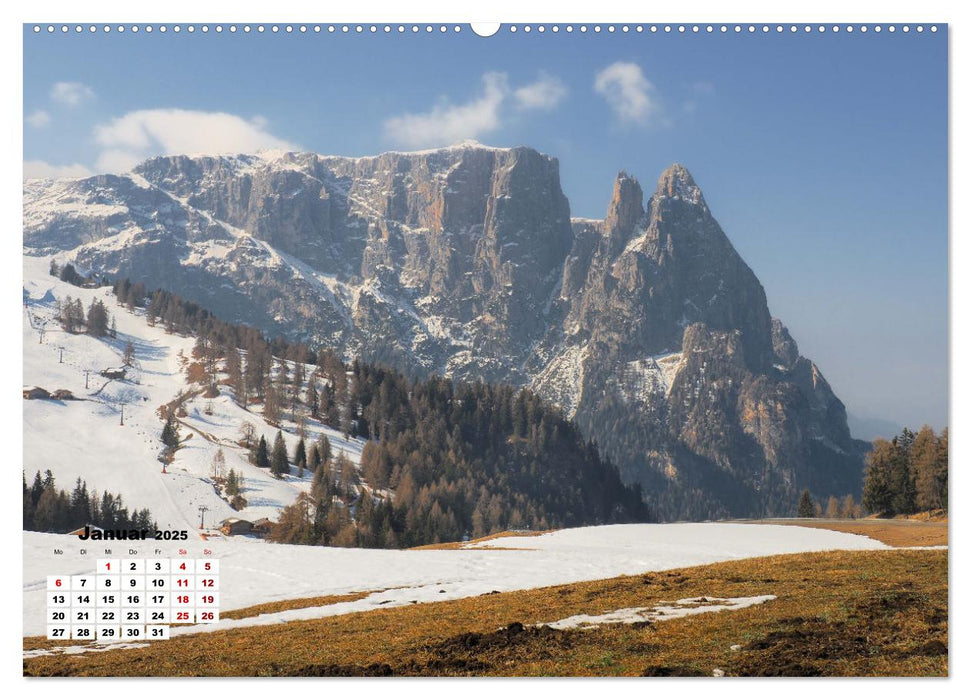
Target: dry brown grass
<point>293,604</point>
<point>936,516</point>
<point>896,533</point>
<point>865,613</point>
<point>487,538</point>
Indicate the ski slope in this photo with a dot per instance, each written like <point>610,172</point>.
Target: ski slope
<point>254,571</point>
<point>86,439</point>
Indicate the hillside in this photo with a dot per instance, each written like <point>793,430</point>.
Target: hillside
<point>365,457</point>
<point>84,438</point>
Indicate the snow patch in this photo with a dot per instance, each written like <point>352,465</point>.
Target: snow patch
<point>653,375</point>
<point>686,607</point>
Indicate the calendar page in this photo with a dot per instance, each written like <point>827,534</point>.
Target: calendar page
<point>371,348</point>
<point>130,600</point>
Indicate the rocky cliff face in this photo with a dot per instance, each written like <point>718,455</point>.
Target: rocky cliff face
<point>646,326</point>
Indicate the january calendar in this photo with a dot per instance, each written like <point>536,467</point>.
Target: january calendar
<point>359,348</point>
<point>132,599</point>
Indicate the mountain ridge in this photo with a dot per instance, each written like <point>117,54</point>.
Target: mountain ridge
<point>465,262</point>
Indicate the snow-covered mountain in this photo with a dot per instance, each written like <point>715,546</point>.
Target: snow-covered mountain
<point>85,438</point>
<point>646,326</point>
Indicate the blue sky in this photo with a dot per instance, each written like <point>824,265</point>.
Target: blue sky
<point>823,156</point>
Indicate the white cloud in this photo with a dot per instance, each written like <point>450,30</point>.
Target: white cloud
<point>135,136</point>
<point>547,92</point>
<point>118,161</point>
<point>42,169</point>
<point>38,119</point>
<point>71,94</point>
<point>448,123</point>
<point>627,91</point>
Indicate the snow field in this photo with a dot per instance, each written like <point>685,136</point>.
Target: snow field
<point>254,571</point>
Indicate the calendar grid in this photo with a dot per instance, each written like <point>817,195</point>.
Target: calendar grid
<point>127,600</point>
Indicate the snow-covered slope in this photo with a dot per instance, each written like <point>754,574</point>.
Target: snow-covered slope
<point>253,572</point>
<point>86,439</point>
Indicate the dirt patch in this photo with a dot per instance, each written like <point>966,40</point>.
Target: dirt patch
<point>935,647</point>
<point>672,672</point>
<point>334,671</point>
<point>810,646</point>
<point>496,649</point>
<point>468,653</point>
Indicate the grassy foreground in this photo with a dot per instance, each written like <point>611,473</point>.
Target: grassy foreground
<point>876,613</point>
<point>896,533</point>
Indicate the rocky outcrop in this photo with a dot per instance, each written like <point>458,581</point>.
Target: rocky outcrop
<point>646,326</point>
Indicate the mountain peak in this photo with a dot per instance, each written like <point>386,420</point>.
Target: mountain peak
<point>626,206</point>
<point>676,183</point>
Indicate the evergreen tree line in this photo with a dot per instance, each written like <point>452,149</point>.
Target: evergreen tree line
<point>276,458</point>
<point>845,507</point>
<point>96,321</point>
<point>907,474</point>
<point>49,509</point>
<point>68,273</point>
<point>259,369</point>
<point>461,459</point>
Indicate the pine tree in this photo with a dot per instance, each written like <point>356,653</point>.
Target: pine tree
<point>170,433</point>
<point>279,464</point>
<point>902,486</point>
<point>97,319</point>
<point>262,458</point>
<point>71,314</point>
<point>313,461</point>
<point>877,489</point>
<point>806,506</point>
<point>28,505</point>
<point>329,410</point>
<point>300,457</point>
<point>313,397</point>
<point>80,503</point>
<point>36,489</point>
